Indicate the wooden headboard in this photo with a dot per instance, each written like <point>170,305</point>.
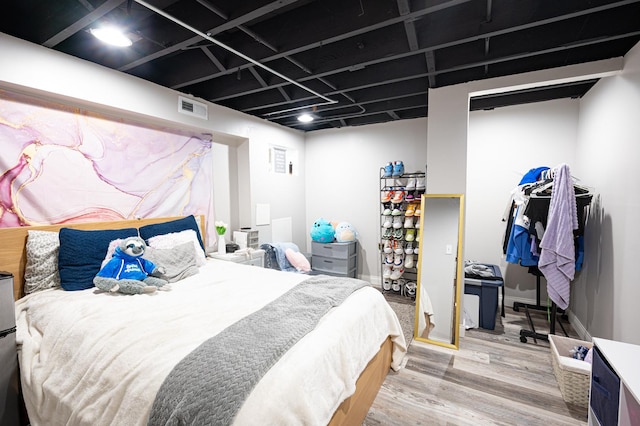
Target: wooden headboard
<point>13,253</point>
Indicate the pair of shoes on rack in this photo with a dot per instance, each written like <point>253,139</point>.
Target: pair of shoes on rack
<point>393,246</point>
<point>410,248</point>
<point>392,285</point>
<point>390,195</point>
<point>411,235</point>
<point>416,184</point>
<point>415,188</point>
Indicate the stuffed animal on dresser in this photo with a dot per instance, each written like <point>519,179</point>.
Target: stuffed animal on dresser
<point>345,232</point>
<point>128,272</point>
<point>322,231</point>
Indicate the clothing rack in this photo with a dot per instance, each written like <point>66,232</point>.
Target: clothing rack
<point>537,185</point>
<point>532,331</point>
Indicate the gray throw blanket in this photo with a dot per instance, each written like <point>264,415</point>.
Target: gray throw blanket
<point>209,385</point>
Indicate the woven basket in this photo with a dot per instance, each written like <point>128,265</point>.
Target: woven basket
<point>573,375</point>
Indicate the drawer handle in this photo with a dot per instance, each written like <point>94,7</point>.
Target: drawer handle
<point>328,261</point>
<point>604,391</point>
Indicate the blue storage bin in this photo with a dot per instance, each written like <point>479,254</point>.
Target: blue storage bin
<point>605,390</point>
<point>488,292</point>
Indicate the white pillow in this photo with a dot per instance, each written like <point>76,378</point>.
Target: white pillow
<point>169,241</point>
<point>110,250</point>
<point>41,270</point>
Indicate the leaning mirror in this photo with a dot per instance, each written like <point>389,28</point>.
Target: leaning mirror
<point>440,269</point>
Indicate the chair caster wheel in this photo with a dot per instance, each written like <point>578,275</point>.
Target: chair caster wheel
<point>523,339</point>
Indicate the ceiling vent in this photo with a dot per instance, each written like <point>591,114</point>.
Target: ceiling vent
<point>191,107</point>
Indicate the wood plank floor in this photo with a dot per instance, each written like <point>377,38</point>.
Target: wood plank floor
<point>493,379</point>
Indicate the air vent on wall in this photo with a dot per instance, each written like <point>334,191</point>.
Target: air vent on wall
<point>191,107</point>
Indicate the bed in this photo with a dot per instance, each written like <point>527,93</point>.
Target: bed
<point>89,357</point>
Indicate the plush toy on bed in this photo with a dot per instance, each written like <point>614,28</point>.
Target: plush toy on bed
<point>322,231</point>
<point>128,272</point>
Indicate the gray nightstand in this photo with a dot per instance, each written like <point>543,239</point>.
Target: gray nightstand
<point>9,382</point>
<point>337,259</point>
<point>253,258</point>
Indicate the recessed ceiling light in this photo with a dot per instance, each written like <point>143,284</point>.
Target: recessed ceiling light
<point>305,118</point>
<point>112,36</point>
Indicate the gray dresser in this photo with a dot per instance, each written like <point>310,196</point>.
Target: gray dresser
<point>338,259</point>
<point>9,382</point>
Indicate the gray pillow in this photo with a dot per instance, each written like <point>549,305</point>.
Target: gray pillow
<point>41,270</point>
<point>179,261</point>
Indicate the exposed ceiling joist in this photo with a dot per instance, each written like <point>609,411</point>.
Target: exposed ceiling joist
<point>375,61</point>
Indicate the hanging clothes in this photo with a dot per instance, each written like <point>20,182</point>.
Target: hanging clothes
<point>557,249</point>
<point>548,206</point>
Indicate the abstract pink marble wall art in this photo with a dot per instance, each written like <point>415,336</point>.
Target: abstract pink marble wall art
<point>60,165</point>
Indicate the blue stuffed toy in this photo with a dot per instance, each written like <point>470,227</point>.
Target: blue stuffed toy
<point>322,231</point>
<point>345,232</point>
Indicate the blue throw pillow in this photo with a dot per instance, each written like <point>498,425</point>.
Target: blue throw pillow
<point>170,227</point>
<point>82,252</point>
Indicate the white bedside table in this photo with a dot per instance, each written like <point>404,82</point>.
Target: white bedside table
<point>253,258</point>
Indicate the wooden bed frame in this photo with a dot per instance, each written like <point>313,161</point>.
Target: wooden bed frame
<point>13,252</point>
<point>352,411</point>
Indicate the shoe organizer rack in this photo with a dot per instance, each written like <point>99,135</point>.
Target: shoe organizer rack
<point>400,195</point>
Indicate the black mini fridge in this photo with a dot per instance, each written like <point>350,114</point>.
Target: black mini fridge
<point>9,380</point>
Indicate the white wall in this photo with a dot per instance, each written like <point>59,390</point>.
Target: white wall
<point>45,73</point>
<point>503,144</point>
<point>449,109</point>
<point>605,296</point>
<point>343,169</point>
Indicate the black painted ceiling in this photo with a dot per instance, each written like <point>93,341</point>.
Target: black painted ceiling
<point>375,60</point>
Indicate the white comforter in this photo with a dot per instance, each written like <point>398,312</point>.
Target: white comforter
<point>98,359</point>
